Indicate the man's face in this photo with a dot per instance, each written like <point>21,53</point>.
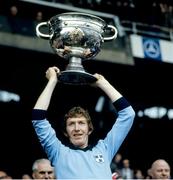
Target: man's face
<point>78,131</point>
<point>160,170</point>
<point>44,171</point>
<point>3,175</point>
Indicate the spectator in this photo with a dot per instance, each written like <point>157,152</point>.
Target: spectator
<point>160,169</point>
<point>18,24</point>
<point>38,17</point>
<point>14,20</point>
<point>116,164</point>
<point>138,174</point>
<point>4,175</point>
<point>126,171</point>
<point>26,176</point>
<point>42,169</point>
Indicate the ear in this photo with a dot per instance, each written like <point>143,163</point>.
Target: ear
<point>90,131</point>
<point>149,172</point>
<point>33,175</point>
<point>65,134</point>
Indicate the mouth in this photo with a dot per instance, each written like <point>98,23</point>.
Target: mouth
<point>77,135</point>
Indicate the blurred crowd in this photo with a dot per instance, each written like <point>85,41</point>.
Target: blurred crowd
<point>41,169</point>
<point>121,169</point>
<point>158,12</point>
<point>15,22</point>
<point>19,19</point>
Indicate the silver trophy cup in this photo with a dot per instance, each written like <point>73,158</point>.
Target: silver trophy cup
<point>76,37</point>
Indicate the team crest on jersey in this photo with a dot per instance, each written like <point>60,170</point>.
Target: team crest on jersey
<point>99,158</point>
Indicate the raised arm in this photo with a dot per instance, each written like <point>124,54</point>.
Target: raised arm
<point>123,121</point>
<point>103,84</point>
<point>44,99</point>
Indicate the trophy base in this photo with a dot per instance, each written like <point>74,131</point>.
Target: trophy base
<point>76,77</point>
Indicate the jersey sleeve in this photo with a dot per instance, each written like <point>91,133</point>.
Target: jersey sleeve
<point>45,133</point>
<point>121,127</point>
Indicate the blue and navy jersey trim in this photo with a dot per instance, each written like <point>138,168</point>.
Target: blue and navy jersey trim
<point>38,114</point>
<point>121,103</point>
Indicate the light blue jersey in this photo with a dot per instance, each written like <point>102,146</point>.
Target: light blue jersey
<point>88,163</point>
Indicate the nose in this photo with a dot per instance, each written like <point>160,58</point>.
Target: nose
<point>165,173</point>
<point>46,175</point>
<point>76,126</point>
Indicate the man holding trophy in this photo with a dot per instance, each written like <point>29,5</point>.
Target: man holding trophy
<point>79,159</point>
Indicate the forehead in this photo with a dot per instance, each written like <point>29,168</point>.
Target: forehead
<point>44,166</point>
<point>161,165</point>
<point>76,119</point>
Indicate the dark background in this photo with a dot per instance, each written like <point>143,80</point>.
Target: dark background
<point>146,84</point>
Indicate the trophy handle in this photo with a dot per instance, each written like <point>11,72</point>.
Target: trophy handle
<point>115,33</point>
<point>42,35</point>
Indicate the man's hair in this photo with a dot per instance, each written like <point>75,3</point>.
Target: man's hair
<point>78,112</point>
<point>37,162</point>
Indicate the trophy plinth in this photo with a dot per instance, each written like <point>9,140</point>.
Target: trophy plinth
<point>75,73</point>
<point>76,77</point>
<point>76,37</point>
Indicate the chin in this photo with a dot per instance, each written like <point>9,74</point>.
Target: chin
<point>78,144</point>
